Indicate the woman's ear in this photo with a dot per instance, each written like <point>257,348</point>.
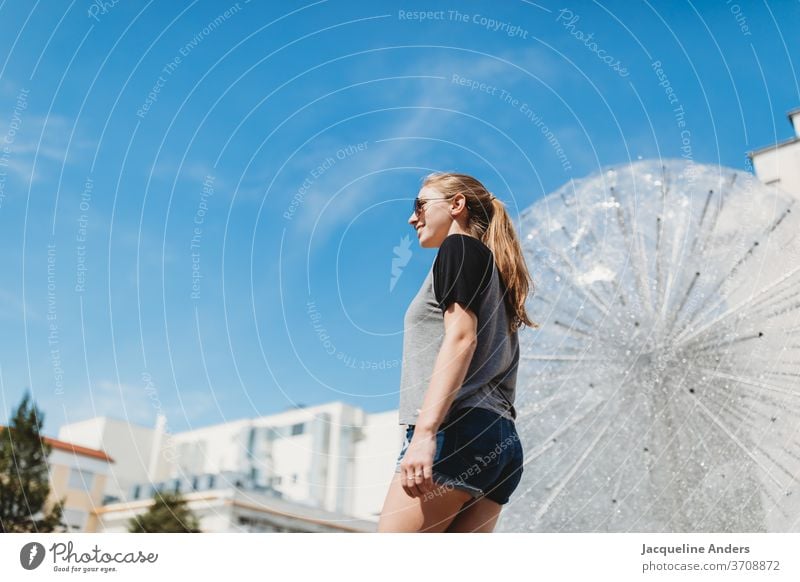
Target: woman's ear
<point>459,197</point>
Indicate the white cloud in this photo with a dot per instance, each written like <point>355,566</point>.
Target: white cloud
<point>422,119</point>
<point>43,140</point>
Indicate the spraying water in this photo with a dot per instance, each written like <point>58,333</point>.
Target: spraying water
<point>662,392</point>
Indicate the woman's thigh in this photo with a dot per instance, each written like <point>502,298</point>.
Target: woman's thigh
<point>432,512</point>
<point>477,516</point>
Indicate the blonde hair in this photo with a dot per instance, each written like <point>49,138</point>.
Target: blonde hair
<point>488,220</point>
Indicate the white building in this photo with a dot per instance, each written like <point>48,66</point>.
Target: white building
<point>229,509</point>
<point>131,443</point>
<point>779,164</point>
<point>376,456</point>
<point>332,463</point>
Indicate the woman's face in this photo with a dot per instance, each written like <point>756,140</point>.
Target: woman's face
<point>433,221</point>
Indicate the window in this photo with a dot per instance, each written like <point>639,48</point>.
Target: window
<point>254,524</point>
<point>75,519</point>
<point>298,428</point>
<point>80,480</point>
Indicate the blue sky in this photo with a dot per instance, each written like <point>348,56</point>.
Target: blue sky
<point>201,201</point>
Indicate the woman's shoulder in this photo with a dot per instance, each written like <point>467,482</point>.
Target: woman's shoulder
<point>463,270</point>
<point>463,250</point>
<point>464,241</point>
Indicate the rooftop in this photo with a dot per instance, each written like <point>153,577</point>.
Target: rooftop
<point>73,448</point>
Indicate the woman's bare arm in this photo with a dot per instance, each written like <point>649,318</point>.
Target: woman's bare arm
<point>450,369</point>
<point>452,363</point>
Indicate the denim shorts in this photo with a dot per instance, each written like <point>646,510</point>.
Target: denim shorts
<point>478,451</point>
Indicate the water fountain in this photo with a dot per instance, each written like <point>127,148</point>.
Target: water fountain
<point>662,391</point>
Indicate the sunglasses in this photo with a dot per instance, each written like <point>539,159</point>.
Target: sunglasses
<point>419,204</point>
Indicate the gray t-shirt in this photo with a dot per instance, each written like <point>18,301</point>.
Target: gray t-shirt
<point>464,271</point>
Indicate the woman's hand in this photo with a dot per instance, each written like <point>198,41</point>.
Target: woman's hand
<point>416,468</point>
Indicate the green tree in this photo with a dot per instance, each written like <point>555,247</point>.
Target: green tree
<point>24,475</point>
<point>168,514</point>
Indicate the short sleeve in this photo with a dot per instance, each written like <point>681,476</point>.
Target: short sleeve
<point>461,272</point>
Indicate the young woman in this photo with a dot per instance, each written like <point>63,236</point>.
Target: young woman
<point>462,457</point>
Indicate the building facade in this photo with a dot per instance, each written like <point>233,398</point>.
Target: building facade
<point>231,509</point>
<point>332,463</point>
<point>779,165</point>
<point>79,474</point>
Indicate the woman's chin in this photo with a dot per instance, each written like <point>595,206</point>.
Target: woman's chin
<point>424,239</point>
